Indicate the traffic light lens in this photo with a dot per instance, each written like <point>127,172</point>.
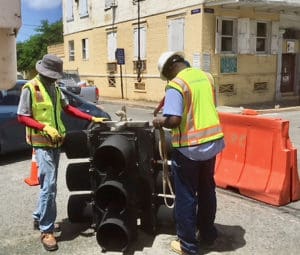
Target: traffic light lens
<point>78,176</point>
<point>111,195</point>
<point>114,155</point>
<point>109,159</point>
<point>113,235</point>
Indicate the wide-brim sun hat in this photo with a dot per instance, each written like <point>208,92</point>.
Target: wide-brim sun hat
<point>163,60</point>
<point>50,66</point>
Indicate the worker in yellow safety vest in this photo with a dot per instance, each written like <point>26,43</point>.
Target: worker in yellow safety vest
<point>40,107</point>
<point>190,112</point>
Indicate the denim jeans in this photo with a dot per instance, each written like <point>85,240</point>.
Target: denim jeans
<point>195,202</point>
<point>47,160</point>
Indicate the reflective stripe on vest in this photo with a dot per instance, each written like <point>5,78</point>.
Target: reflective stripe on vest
<point>39,140</point>
<point>45,112</point>
<point>194,129</point>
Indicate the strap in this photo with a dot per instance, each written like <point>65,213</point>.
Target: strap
<point>165,176</point>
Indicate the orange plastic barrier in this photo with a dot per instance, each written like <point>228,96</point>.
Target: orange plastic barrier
<point>259,159</point>
<point>33,180</point>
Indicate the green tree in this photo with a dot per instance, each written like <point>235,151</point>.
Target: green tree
<point>30,51</point>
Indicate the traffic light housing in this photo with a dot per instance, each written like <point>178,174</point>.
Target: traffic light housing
<point>121,177</point>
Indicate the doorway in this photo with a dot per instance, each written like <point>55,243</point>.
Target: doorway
<point>288,73</point>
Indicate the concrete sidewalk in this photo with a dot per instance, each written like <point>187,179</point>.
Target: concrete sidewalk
<point>262,108</point>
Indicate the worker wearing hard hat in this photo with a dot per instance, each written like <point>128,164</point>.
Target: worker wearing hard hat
<point>197,137</point>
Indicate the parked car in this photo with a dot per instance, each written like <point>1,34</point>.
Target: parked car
<point>12,133</point>
<point>71,81</point>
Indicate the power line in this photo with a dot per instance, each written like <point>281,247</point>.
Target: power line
<point>28,25</point>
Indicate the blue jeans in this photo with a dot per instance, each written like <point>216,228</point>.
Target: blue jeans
<point>47,160</point>
<point>195,202</point>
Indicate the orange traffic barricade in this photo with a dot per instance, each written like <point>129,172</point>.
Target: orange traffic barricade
<point>259,159</point>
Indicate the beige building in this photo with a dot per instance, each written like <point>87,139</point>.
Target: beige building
<point>252,48</point>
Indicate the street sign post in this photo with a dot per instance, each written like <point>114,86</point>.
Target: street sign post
<point>120,56</point>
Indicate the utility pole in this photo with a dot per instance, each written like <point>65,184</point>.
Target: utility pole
<point>139,63</point>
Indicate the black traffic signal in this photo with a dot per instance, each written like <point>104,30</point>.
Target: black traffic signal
<point>121,178</point>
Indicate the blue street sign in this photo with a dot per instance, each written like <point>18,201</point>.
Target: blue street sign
<point>120,56</point>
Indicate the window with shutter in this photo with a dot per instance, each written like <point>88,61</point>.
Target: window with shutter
<point>218,35</point>
<point>261,37</point>
<point>142,43</point>
<point>243,36</point>
<point>176,34</point>
<point>83,8</point>
<point>69,12</point>
<point>111,46</point>
<point>226,35</point>
<point>85,48</point>
<point>275,38</point>
<point>71,50</point>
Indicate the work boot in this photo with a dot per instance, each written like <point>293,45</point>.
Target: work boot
<point>176,247</point>
<point>49,242</point>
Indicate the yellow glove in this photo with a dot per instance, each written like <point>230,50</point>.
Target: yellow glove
<point>53,133</point>
<point>98,119</point>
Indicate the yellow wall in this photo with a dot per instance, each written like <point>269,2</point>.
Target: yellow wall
<point>199,38</point>
<point>250,68</point>
<point>57,49</point>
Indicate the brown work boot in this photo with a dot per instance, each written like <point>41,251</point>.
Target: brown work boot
<point>49,242</point>
<point>176,247</point>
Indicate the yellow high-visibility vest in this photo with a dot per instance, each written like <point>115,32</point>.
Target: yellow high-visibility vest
<point>200,120</point>
<point>45,112</point>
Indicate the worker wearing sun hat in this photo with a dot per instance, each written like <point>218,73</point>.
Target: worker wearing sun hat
<point>189,111</point>
<point>40,108</point>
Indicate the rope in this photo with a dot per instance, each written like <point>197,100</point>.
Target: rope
<point>165,177</point>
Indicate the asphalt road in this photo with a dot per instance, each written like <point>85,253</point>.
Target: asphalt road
<point>246,226</point>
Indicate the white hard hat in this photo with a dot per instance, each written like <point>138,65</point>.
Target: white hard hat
<point>163,59</point>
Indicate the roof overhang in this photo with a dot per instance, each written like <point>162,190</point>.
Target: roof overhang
<point>261,5</point>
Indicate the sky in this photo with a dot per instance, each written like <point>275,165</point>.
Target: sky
<point>33,12</point>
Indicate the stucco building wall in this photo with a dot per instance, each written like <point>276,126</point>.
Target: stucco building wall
<point>254,80</point>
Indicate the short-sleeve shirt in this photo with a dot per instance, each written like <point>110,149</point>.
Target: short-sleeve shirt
<point>174,107</point>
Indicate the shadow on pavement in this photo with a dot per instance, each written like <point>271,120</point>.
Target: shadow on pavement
<point>70,231</point>
<point>230,238</point>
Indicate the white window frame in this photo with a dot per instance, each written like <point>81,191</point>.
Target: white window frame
<point>69,12</point>
<point>265,37</point>
<point>176,34</point>
<point>143,41</point>
<point>85,48</point>
<point>247,36</point>
<point>272,42</point>
<point>111,46</point>
<point>83,8</point>
<point>220,35</point>
<point>71,48</point>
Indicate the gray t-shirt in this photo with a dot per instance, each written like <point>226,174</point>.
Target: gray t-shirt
<point>24,107</point>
